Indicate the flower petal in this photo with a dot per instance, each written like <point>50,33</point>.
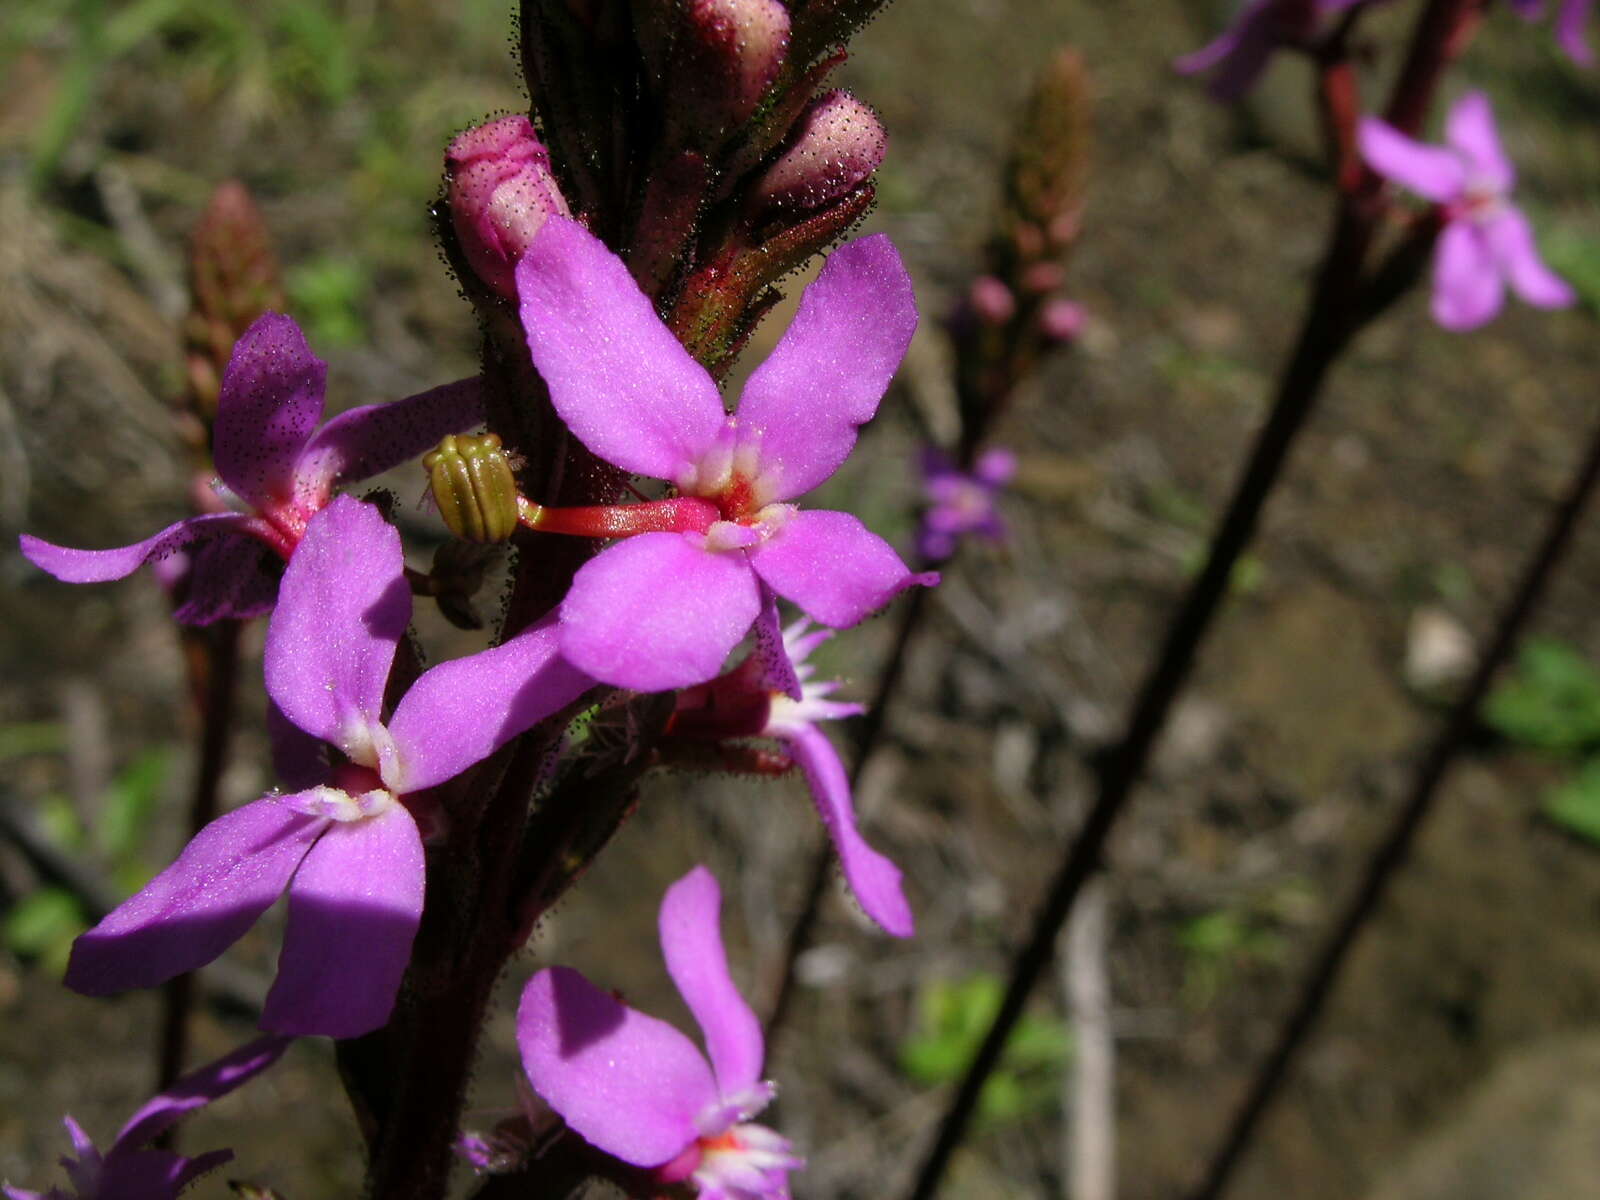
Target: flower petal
<point>833,567</point>
<point>354,905</point>
<point>460,712</point>
<point>872,877</point>
<point>342,608</point>
<point>1570,21</point>
<point>1511,240</point>
<point>200,905</point>
<point>1467,285</point>
<point>98,566</point>
<point>199,1088</point>
<point>153,1174</point>
<point>778,672</point>
<point>1239,56</point>
<point>270,402</point>
<point>1431,171</point>
<point>691,942</point>
<point>619,378</point>
<point>627,1083</point>
<point>1470,129</point>
<point>228,578</point>
<point>657,611</point>
<point>801,407</point>
<point>375,438</point>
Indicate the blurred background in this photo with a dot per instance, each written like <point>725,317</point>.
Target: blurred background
<point>1461,1054</point>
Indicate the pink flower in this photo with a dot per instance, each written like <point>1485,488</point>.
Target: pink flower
<point>1238,56</point>
<point>1570,20</point>
<point>278,466</point>
<point>131,1171</point>
<point>1486,242</point>
<point>962,502</point>
<point>637,1089</point>
<point>347,849</point>
<point>662,610</point>
<point>771,694</point>
<point>501,191</point>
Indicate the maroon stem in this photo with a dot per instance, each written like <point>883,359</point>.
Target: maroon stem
<point>1393,851</point>
<point>212,655</point>
<point>1338,306</point>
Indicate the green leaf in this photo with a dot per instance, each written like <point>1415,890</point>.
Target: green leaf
<point>1575,805</point>
<point>42,925</point>
<point>328,292</point>
<point>130,804</point>
<point>32,737</point>
<point>1552,702</point>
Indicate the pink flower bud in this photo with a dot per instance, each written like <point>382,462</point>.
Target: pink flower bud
<point>1062,320</point>
<point>501,190</point>
<point>838,146</point>
<point>732,50</point>
<point>991,300</point>
<point>1043,277</point>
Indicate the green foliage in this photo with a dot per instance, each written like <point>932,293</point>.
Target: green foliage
<point>1551,702</point>
<point>1215,944</point>
<point>42,925</point>
<point>952,1019</point>
<point>327,292</point>
<point>1575,256</point>
<point>1575,804</point>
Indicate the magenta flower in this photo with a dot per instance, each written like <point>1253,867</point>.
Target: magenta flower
<point>1240,53</point>
<point>637,1089</point>
<point>663,609</point>
<point>132,1171</point>
<point>347,849</point>
<point>771,695</point>
<point>1486,241</point>
<point>1571,18</point>
<point>962,502</point>
<point>277,465</point>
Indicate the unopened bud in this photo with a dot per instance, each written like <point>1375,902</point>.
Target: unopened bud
<point>729,52</point>
<point>501,193</point>
<point>838,145</point>
<point>991,300</point>
<point>1043,277</point>
<point>1062,320</point>
<point>473,486</point>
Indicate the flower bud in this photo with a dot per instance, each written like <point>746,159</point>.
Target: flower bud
<point>729,52</point>
<point>838,144</point>
<point>1062,320</point>
<point>473,487</point>
<point>991,300</point>
<point>501,191</point>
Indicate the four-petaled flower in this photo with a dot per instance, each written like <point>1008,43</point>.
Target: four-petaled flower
<point>131,1170</point>
<point>1486,241</point>
<point>279,466</point>
<point>962,502</point>
<point>1240,53</point>
<point>639,1090</point>
<point>1570,21</point>
<point>662,610</point>
<point>347,849</point>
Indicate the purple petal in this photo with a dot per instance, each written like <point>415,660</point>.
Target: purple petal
<point>342,608</point>
<point>228,578</point>
<point>271,400</point>
<point>1511,240</point>
<point>354,905</point>
<point>1570,21</point>
<point>872,877</point>
<point>801,407</point>
<point>1467,285</point>
<point>1431,171</point>
<point>98,566</point>
<point>626,1082</point>
<point>833,567</point>
<point>1216,50</point>
<point>199,906</point>
<point>777,671</point>
<point>619,378</point>
<point>657,611</point>
<point>461,712</point>
<point>199,1088</point>
<point>995,467</point>
<point>1239,55</point>
<point>375,438</point>
<point>691,942</point>
<point>1470,130</point>
<point>153,1174</point>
